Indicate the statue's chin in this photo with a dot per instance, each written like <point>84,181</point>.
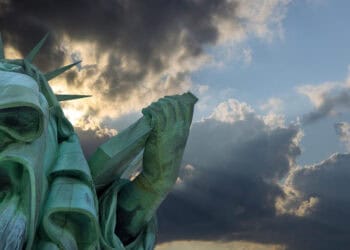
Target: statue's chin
<point>13,221</point>
<point>13,206</point>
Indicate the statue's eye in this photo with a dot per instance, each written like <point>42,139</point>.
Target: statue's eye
<point>22,123</point>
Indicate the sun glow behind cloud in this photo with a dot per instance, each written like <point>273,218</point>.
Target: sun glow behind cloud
<point>123,77</point>
<point>206,245</point>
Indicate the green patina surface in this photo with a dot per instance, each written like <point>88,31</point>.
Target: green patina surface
<point>51,197</point>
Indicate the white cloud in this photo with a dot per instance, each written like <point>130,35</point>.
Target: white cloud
<point>247,54</point>
<point>318,93</point>
<point>274,108</point>
<point>328,99</point>
<point>343,131</point>
<point>273,104</point>
<point>232,111</point>
<point>263,18</point>
<point>295,203</point>
<point>274,120</point>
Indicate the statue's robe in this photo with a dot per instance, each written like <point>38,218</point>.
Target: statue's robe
<point>74,217</point>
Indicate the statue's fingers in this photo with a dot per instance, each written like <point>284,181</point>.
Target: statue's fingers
<point>169,111</point>
<point>186,105</point>
<point>159,116</point>
<point>148,116</point>
<point>151,114</point>
<point>172,96</point>
<point>187,112</point>
<point>189,98</point>
<point>178,109</point>
<point>192,100</point>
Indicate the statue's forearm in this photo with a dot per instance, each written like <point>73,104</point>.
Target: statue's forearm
<point>119,151</point>
<point>139,200</point>
<point>170,119</point>
<point>137,204</point>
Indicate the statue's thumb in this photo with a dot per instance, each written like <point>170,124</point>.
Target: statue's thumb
<point>189,98</point>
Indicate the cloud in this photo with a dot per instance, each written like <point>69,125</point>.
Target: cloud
<point>273,104</point>
<point>232,185</point>
<point>135,51</point>
<point>319,195</point>
<point>330,106</point>
<point>247,55</point>
<point>274,120</point>
<point>232,111</point>
<point>328,99</point>
<point>90,141</point>
<point>342,129</point>
<point>240,182</point>
<point>327,180</point>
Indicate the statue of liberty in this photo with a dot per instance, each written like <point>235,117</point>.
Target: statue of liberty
<point>51,197</point>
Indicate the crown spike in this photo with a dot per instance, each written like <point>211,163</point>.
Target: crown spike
<point>2,51</point>
<point>32,54</point>
<point>62,98</point>
<point>50,75</point>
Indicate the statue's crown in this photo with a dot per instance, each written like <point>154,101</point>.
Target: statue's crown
<point>25,66</point>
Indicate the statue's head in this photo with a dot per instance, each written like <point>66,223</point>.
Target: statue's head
<point>32,125</point>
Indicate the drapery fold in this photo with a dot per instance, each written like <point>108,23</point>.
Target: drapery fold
<point>70,219</point>
<point>73,217</point>
<point>108,203</point>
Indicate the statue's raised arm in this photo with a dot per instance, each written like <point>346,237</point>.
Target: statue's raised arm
<point>162,133</point>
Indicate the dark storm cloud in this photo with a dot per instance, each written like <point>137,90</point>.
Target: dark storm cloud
<point>329,183</point>
<point>233,186</point>
<point>148,32</point>
<point>330,103</point>
<point>230,193</point>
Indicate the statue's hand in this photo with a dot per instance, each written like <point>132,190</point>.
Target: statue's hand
<point>170,118</point>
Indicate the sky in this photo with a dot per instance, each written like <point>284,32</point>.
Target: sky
<point>267,161</point>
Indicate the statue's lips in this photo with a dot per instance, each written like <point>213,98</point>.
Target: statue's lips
<point>14,180</point>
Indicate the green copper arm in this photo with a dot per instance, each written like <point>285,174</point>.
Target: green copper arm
<point>170,119</point>
<point>111,159</point>
<point>161,135</point>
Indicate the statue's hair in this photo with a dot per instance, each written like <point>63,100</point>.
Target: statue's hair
<point>25,66</point>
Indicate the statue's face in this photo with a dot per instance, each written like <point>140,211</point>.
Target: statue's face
<point>28,146</point>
